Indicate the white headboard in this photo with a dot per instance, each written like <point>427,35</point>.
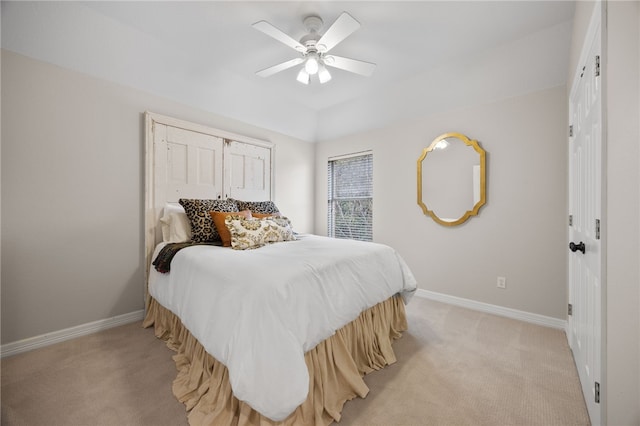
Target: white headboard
<point>188,160</point>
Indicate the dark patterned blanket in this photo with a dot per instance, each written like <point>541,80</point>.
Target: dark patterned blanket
<point>162,262</point>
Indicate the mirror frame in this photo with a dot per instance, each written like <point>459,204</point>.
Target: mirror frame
<point>481,152</point>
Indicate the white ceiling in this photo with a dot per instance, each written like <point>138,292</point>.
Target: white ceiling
<point>430,55</point>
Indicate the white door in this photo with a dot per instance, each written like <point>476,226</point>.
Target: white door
<point>247,169</point>
<point>585,210</point>
<point>192,167</point>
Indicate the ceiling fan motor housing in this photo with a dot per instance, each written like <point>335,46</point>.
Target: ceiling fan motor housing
<point>313,24</point>
<point>310,41</point>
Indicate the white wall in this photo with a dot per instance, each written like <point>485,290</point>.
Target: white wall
<point>73,193</point>
<point>519,233</point>
<point>622,73</point>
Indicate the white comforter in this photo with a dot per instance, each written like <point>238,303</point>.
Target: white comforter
<point>258,311</point>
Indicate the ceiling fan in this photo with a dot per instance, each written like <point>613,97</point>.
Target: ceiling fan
<point>314,48</point>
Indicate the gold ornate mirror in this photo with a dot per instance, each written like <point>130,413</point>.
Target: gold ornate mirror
<point>451,179</point>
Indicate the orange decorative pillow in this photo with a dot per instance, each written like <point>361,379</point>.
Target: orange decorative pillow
<point>218,220</point>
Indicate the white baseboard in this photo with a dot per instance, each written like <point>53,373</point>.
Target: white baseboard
<point>494,309</point>
<point>31,343</point>
<point>25,345</point>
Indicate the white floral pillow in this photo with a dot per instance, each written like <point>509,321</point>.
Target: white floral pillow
<point>254,233</point>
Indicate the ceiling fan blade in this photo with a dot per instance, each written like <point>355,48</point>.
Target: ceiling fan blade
<point>342,28</point>
<point>280,67</point>
<point>351,65</point>
<point>274,32</point>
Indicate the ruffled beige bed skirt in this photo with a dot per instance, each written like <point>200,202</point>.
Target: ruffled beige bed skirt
<point>336,368</point>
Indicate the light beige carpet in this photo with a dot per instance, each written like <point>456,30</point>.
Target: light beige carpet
<point>455,367</point>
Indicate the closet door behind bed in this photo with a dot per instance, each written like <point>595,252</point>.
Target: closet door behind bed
<point>191,167</point>
<point>247,169</point>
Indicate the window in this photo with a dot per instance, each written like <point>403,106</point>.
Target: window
<point>350,203</point>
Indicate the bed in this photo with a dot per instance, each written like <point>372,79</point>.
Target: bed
<point>278,329</point>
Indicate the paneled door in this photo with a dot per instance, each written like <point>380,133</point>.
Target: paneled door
<point>585,213</point>
<point>247,170</point>
<point>192,167</point>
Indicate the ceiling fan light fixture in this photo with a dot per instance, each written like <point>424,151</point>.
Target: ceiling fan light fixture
<point>323,74</point>
<point>303,77</point>
<point>311,66</point>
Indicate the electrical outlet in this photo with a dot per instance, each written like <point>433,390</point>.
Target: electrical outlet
<point>502,282</point>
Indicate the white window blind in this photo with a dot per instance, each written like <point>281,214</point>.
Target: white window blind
<point>350,203</point>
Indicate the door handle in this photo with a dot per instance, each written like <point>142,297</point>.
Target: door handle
<point>576,247</point>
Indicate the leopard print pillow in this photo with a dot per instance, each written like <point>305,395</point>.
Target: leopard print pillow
<point>202,227</point>
<point>264,207</point>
